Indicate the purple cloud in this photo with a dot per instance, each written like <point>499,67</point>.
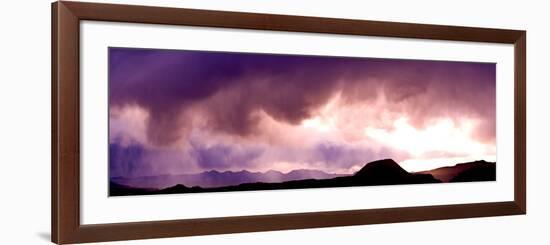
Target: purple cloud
<point>232,95</point>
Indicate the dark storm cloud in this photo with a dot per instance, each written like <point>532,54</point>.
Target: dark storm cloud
<point>232,87</point>
<point>221,156</point>
<point>200,111</point>
<point>126,160</point>
<point>166,82</point>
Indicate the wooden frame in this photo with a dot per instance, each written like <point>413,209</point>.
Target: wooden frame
<point>66,227</point>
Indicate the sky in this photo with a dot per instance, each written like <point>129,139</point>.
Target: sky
<point>178,111</point>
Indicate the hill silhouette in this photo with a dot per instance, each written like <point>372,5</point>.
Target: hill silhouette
<point>480,172</point>
<point>213,178</point>
<point>116,189</point>
<point>381,172</point>
<point>448,174</point>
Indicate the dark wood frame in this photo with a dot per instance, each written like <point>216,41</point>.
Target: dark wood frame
<point>66,227</point>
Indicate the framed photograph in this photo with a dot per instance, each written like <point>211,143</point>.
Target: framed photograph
<point>177,122</point>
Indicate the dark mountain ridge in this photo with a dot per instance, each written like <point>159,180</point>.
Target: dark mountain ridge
<point>449,173</point>
<point>381,172</point>
<point>480,172</point>
<point>215,178</point>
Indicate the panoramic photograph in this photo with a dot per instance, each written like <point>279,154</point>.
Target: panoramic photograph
<point>183,121</point>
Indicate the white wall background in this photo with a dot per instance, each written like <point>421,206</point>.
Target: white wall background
<point>25,121</point>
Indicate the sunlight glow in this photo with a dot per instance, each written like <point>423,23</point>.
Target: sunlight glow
<point>443,135</point>
<point>320,124</point>
<point>327,119</point>
<point>439,142</point>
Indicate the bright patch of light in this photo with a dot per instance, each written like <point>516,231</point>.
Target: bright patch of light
<point>320,124</point>
<point>444,135</point>
<point>326,121</point>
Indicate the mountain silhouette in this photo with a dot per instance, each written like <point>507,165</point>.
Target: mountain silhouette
<point>381,172</point>
<point>215,178</point>
<point>480,172</point>
<point>116,189</point>
<point>447,174</point>
<point>384,171</point>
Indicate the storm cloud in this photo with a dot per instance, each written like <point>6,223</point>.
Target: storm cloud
<point>226,110</point>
